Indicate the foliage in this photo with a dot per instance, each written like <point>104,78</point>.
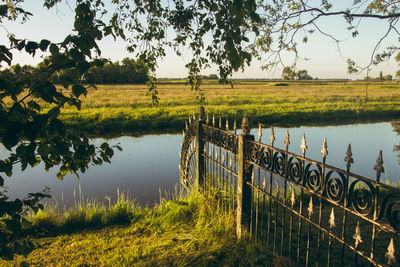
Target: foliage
<point>289,73</point>
<point>189,229</point>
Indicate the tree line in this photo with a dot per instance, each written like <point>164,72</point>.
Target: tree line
<point>128,71</point>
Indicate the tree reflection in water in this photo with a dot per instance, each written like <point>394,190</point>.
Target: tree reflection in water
<point>396,128</point>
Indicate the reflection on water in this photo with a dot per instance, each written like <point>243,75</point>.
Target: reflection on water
<point>396,147</point>
<point>149,163</point>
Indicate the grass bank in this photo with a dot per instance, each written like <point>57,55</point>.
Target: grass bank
<point>187,231</point>
<point>126,108</point>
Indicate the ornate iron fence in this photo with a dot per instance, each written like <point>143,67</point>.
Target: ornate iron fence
<point>314,213</point>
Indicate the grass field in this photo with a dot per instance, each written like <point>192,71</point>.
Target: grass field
<point>186,231</point>
<point>126,108</point>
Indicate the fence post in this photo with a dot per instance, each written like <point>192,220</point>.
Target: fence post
<point>244,175</point>
<point>200,150</point>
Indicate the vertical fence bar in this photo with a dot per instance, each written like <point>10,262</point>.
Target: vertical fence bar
<point>244,175</point>
<point>200,150</point>
<point>379,169</point>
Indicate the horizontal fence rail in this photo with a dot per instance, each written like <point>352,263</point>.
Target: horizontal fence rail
<point>311,212</point>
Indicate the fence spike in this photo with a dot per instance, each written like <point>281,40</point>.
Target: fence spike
<point>265,182</point>
<point>183,133</point>
<point>186,125</point>
<point>272,137</point>
<point>190,119</point>
<point>208,119</point>
<point>292,199</point>
<point>213,121</point>
<point>357,235</point>
<point>348,159</point>
<point>259,132</point>
<point>220,123</point>
<point>332,219</point>
<point>246,125</point>
<point>390,253</point>
<point>324,150</point>
<point>310,208</point>
<point>234,127</point>
<point>378,167</point>
<point>287,139</point>
<point>194,117</point>
<point>230,163</point>
<point>303,145</point>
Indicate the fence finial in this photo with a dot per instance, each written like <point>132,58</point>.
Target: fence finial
<point>246,125</point>
<point>259,132</point>
<point>208,119</point>
<point>230,163</point>
<point>186,125</point>
<point>378,167</point>
<point>324,150</point>
<point>234,127</point>
<point>183,132</point>
<point>227,124</point>
<point>357,235</point>
<point>310,208</point>
<point>332,219</point>
<point>303,145</point>
<point>190,119</point>
<point>201,113</point>
<point>348,159</point>
<point>220,123</point>
<point>272,137</point>
<point>213,121</point>
<point>390,253</point>
<point>287,139</point>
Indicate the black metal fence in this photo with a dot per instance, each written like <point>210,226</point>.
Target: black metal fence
<point>311,212</point>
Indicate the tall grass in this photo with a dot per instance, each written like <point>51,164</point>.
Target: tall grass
<point>184,229</point>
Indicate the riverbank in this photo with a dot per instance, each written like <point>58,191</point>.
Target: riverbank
<point>116,109</point>
<point>189,230</point>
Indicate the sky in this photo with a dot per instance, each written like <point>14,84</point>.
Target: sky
<point>325,60</point>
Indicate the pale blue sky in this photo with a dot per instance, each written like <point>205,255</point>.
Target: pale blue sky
<point>325,59</point>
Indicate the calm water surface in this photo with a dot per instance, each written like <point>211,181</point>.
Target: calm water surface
<point>149,163</point>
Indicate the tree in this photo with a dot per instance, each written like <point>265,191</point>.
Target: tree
<point>240,31</point>
<point>288,73</point>
<point>303,75</point>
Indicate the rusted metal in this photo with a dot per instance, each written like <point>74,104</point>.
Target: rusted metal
<point>344,208</point>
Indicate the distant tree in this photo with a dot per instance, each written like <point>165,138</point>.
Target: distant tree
<point>303,75</point>
<point>388,77</point>
<point>288,73</point>
<point>381,78</point>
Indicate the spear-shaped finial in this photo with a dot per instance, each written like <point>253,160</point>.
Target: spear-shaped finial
<point>201,113</point>
<point>310,208</point>
<point>303,145</point>
<point>213,121</point>
<point>220,123</point>
<point>227,124</point>
<point>378,167</point>
<point>272,137</point>
<point>190,120</point>
<point>259,132</point>
<point>348,159</point>
<point>332,219</point>
<point>287,139</point>
<point>390,253</point>
<point>357,235</point>
<point>246,125</point>
<point>208,119</point>
<point>234,127</point>
<point>324,150</point>
<point>186,125</point>
<point>183,132</point>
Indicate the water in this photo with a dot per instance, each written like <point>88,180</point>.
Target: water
<point>149,163</point>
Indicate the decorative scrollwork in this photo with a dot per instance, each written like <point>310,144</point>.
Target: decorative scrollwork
<point>265,159</point>
<point>362,197</point>
<point>253,155</point>
<point>313,177</point>
<point>279,163</point>
<point>186,166</point>
<point>335,186</point>
<point>390,208</point>
<point>294,170</point>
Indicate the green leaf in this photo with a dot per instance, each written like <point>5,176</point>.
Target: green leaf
<point>54,49</point>
<point>78,90</point>
<point>44,44</point>
<point>31,47</point>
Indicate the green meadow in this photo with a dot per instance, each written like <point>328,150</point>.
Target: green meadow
<point>126,108</point>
